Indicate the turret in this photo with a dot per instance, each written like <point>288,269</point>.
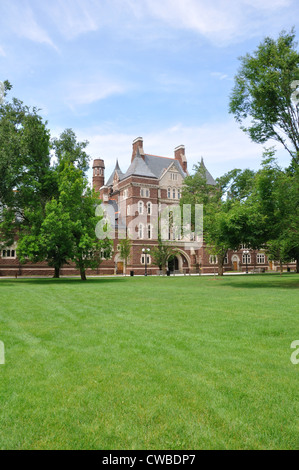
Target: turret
<point>98,176</point>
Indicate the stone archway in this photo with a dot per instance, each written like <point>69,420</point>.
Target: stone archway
<point>173,264</point>
<point>235,262</point>
<point>184,262</point>
<point>118,264</point>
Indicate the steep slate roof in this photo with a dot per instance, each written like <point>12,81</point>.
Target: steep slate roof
<point>153,167</point>
<point>158,164</point>
<point>209,177</point>
<point>116,170</point>
<point>138,167</point>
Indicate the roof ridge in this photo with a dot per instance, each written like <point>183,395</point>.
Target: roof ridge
<point>159,156</point>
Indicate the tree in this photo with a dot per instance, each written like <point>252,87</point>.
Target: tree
<point>80,202</point>
<point>65,230</point>
<point>125,251</point>
<point>27,180</point>
<point>162,253</point>
<point>262,98</point>
<point>275,197</point>
<point>227,222</point>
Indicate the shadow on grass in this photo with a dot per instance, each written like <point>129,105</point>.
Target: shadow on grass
<point>265,281</point>
<point>63,280</point>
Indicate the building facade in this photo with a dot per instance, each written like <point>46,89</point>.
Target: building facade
<point>137,204</point>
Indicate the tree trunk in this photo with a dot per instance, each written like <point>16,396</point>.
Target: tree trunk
<point>56,272</point>
<point>220,269</point>
<point>297,266</point>
<point>281,267</point>
<point>221,264</point>
<point>83,274</point>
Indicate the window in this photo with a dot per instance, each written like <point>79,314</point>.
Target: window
<point>246,258</point>
<point>168,193</point>
<point>149,231</point>
<point>140,207</point>
<point>173,193</point>
<point>260,258</point>
<point>213,259</point>
<point>226,259</point>
<point>148,259</point>
<point>144,192</point>
<point>140,231</point>
<point>149,208</point>
<point>179,194</point>
<point>8,253</point>
<point>174,176</point>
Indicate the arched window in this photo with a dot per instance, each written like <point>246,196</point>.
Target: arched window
<point>179,194</point>
<point>173,193</point>
<point>140,207</point>
<point>149,208</point>
<point>149,231</point>
<point>148,259</point>
<point>169,193</point>
<point>140,231</point>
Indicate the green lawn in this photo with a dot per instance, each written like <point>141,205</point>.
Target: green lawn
<point>150,363</point>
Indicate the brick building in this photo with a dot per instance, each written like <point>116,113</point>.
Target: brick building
<point>136,203</point>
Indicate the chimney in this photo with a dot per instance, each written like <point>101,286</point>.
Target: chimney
<point>179,154</point>
<point>137,143</point>
<point>98,176</point>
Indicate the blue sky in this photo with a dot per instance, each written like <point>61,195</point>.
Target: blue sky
<point>114,70</point>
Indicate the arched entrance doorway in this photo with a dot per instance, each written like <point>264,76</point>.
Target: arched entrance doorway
<point>235,262</point>
<point>173,264</point>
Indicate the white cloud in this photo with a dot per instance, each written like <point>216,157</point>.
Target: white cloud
<point>21,19</point>
<point>99,88</point>
<point>220,76</point>
<point>220,21</point>
<point>222,145</point>
<point>73,17</point>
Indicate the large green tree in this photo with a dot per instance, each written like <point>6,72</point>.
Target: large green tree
<point>264,100</point>
<point>227,221</point>
<point>65,232</point>
<point>27,180</point>
<point>275,197</point>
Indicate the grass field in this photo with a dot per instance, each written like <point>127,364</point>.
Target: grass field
<point>150,363</point>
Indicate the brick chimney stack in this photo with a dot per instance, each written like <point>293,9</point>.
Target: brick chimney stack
<point>137,143</point>
<point>179,154</point>
<point>98,176</point>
